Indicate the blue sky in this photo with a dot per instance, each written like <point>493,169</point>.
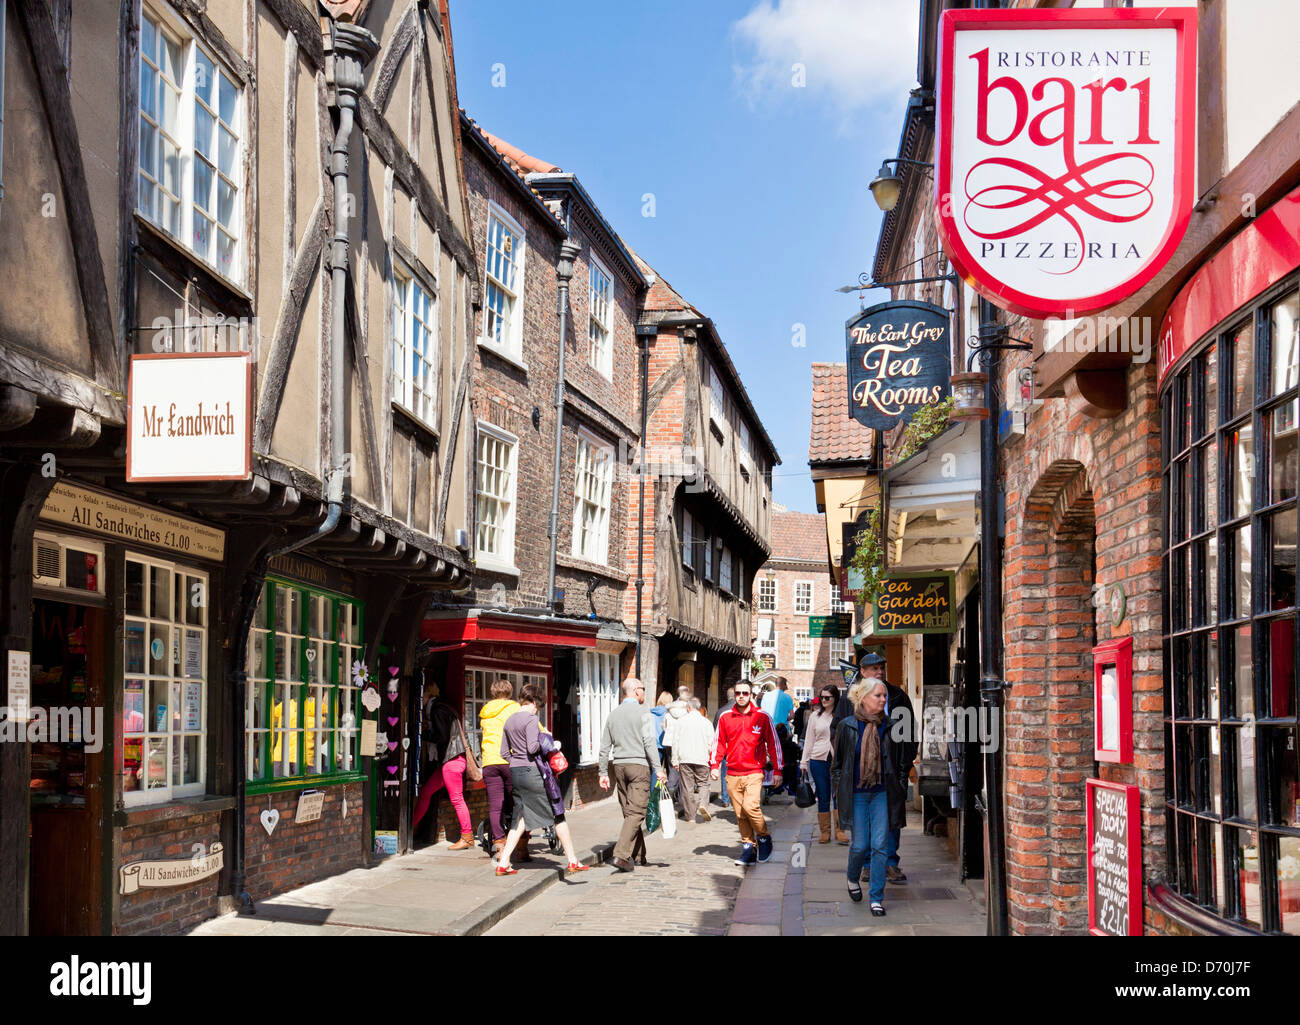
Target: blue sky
<point>759,183</point>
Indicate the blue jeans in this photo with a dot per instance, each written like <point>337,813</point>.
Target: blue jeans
<point>870,825</point>
<point>891,847</point>
<point>722,782</point>
<point>821,774</point>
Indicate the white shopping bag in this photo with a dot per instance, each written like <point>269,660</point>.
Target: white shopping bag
<point>667,815</point>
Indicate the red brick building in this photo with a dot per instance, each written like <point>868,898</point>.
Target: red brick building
<point>707,502</point>
<point>1135,516</point>
<point>794,584</point>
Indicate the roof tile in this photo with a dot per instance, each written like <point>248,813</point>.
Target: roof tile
<point>835,436</point>
<point>800,536</point>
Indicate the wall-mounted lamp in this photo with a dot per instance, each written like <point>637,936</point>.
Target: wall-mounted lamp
<point>886,187</point>
<point>968,397</point>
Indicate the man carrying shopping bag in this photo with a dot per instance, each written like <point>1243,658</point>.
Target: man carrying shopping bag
<point>628,741</point>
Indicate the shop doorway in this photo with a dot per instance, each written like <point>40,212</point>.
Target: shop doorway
<point>67,769</point>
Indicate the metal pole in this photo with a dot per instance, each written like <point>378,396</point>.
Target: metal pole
<point>991,687</point>
<point>563,273</point>
<point>643,343</point>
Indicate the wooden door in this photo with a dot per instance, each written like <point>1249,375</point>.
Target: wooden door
<point>67,841</point>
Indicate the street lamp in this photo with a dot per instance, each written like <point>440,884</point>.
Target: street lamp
<point>886,187</point>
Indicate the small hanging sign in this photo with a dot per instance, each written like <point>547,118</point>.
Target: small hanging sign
<point>899,360</point>
<point>310,805</point>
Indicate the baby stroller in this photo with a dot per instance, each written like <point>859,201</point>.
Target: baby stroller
<point>483,836</point>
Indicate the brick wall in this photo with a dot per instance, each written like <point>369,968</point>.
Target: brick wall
<point>1083,509</point>
<point>296,854</point>
<point>168,837</point>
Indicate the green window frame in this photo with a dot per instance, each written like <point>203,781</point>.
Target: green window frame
<point>303,714</point>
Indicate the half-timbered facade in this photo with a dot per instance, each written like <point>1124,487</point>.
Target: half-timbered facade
<point>274,177</point>
<point>707,501</point>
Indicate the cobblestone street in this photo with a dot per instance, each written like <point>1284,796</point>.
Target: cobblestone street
<point>692,887</point>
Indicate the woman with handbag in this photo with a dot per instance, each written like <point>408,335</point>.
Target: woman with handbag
<point>450,761</point>
<point>817,752</point>
<point>535,805</point>
<point>496,771</point>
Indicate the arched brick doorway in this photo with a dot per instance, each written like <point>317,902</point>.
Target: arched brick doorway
<point>1051,566</point>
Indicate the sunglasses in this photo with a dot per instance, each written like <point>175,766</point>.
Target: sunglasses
<point>742,693</point>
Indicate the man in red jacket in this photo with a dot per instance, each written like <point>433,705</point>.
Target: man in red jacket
<point>748,742</point>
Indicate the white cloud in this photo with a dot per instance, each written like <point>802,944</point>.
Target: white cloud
<point>857,53</point>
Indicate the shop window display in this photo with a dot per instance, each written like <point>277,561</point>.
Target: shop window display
<point>165,681</point>
<point>301,716</point>
<point>1230,468</point>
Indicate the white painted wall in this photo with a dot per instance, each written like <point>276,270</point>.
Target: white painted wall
<point>1263,74</point>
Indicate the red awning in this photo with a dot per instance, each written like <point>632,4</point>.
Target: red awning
<point>483,625</point>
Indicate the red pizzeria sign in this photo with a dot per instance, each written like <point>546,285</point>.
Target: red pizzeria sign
<point>1065,152</point>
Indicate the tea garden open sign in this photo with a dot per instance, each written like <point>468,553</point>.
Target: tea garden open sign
<point>916,603</point>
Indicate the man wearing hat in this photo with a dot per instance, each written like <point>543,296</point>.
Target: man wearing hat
<point>872,667</point>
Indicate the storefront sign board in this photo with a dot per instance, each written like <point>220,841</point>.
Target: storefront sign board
<point>916,603</point>
<point>899,360</point>
<point>190,417</point>
<point>116,518</point>
<point>838,626</point>
<point>1114,859</point>
<point>1065,156</point>
<point>140,875</point>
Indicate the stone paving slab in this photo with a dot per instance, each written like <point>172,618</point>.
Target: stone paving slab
<point>433,891</point>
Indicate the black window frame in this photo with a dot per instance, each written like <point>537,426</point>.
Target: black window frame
<point>1202,627</point>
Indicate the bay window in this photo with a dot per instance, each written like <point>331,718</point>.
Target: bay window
<point>1232,785</point>
<point>190,151</point>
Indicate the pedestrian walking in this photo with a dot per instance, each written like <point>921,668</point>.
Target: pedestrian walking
<point>628,744</point>
<point>872,667</point>
<point>447,759</point>
<point>722,784</point>
<point>818,749</point>
<point>675,713</point>
<point>692,747</point>
<point>521,743</point>
<point>871,791</point>
<point>496,772</point>
<point>748,742</point>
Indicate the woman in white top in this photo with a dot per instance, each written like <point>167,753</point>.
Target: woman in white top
<point>817,750</point>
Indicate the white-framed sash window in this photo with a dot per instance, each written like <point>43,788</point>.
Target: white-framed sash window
<point>803,597</point>
<point>503,306</point>
<point>803,651</point>
<point>415,345</point>
<point>190,149</point>
<point>497,452</point>
<point>592,488</point>
<point>600,328</point>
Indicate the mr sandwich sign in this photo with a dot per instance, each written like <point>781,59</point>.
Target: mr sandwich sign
<point>1065,158</point>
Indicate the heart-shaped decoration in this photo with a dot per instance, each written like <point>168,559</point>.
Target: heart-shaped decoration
<point>270,819</point>
<point>393,720</point>
<point>392,770</point>
<point>393,670</point>
<point>392,745</point>
<point>406,742</point>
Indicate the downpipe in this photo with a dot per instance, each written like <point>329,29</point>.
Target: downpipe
<point>569,251</point>
<point>353,47</point>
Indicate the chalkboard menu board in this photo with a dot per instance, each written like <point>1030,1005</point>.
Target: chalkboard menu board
<point>1114,860</point>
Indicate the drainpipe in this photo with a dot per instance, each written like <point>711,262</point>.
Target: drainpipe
<point>563,273</point>
<point>644,332</point>
<point>353,49</point>
<point>3,8</point>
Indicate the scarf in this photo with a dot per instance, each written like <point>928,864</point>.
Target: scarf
<point>869,749</point>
